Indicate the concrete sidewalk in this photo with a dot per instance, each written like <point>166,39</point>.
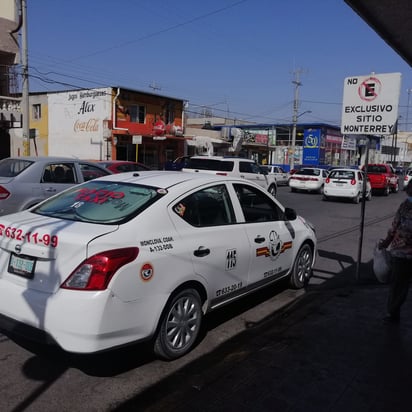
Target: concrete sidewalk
<point>328,351</point>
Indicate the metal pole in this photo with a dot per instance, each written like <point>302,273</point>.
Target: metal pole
<point>407,109</point>
<point>297,83</point>
<point>362,224</point>
<point>25,86</point>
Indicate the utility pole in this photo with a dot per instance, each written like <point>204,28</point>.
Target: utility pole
<point>297,83</point>
<point>407,109</point>
<point>25,86</point>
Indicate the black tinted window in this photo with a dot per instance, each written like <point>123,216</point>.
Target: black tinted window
<point>207,207</point>
<point>210,164</point>
<point>256,206</point>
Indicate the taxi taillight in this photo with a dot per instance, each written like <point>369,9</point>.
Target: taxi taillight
<point>353,182</point>
<point>96,272</point>
<point>4,193</point>
<point>327,180</point>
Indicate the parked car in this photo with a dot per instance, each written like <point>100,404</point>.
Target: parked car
<point>346,183</point>
<point>383,178</point>
<point>232,166</point>
<point>129,257</point>
<point>282,177</point>
<point>121,166</point>
<point>308,179</point>
<point>407,178</point>
<point>26,181</point>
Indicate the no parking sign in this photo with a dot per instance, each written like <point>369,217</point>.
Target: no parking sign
<point>370,104</point>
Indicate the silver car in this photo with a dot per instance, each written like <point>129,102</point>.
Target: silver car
<point>26,181</point>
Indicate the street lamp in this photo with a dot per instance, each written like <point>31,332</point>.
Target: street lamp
<point>295,121</point>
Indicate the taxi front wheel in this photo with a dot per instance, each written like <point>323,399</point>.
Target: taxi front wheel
<point>180,325</point>
<point>302,267</point>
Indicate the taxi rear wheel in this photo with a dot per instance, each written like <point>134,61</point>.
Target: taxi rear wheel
<point>302,267</point>
<point>179,325</point>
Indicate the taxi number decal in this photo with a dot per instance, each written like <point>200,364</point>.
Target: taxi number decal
<point>229,289</point>
<point>30,237</point>
<point>230,259</point>
<point>272,272</point>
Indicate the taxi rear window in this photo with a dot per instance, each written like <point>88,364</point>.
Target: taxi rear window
<point>100,202</point>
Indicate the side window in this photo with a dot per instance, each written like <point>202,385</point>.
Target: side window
<point>245,167</point>
<point>207,207</point>
<point>90,172</point>
<point>256,206</point>
<point>59,173</point>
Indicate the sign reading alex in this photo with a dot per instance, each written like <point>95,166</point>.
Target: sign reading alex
<point>370,104</point>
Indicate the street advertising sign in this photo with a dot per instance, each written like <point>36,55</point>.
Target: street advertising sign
<point>370,104</point>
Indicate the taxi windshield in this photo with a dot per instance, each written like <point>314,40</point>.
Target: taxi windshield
<point>100,202</point>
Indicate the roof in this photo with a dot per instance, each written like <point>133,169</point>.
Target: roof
<point>391,19</point>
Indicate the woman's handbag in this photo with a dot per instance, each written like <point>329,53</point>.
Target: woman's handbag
<point>382,264</point>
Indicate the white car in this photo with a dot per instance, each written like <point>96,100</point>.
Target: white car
<point>346,183</point>
<point>232,166</point>
<point>310,179</point>
<point>282,177</point>
<point>142,255</point>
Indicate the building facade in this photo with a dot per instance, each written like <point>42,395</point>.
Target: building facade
<point>103,124</point>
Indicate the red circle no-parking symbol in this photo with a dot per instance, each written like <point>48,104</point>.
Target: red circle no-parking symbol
<point>369,89</point>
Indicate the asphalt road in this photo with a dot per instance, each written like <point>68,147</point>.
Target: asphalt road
<point>37,378</point>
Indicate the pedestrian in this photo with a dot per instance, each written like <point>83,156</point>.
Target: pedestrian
<point>399,242</point>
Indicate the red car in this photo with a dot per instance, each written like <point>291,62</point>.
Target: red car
<point>121,166</point>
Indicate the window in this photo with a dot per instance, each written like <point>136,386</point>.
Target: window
<point>256,206</point>
<point>137,113</point>
<point>248,167</point>
<point>59,173</point>
<point>36,111</point>
<point>100,202</point>
<point>90,172</point>
<point>207,207</point>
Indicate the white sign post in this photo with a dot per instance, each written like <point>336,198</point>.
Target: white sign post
<point>370,104</point>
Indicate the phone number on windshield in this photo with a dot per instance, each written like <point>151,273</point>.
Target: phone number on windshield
<point>31,237</point>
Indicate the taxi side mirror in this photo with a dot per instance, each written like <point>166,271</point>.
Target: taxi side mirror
<point>290,214</point>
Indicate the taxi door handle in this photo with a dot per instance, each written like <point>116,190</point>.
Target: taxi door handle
<point>201,251</point>
<point>259,239</point>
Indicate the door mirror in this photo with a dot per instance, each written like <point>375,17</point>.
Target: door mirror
<point>290,214</point>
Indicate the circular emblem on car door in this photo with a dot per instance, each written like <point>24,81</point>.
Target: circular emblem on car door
<point>275,245</point>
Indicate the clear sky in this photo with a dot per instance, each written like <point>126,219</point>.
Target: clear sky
<point>237,58</point>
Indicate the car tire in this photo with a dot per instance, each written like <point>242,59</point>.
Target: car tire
<point>302,267</point>
<point>356,199</point>
<point>272,190</point>
<point>179,325</point>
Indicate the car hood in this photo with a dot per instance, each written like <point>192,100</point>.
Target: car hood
<point>58,247</point>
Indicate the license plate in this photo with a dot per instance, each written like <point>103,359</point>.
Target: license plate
<point>22,265</point>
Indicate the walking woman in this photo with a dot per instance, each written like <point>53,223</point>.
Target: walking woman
<point>399,241</point>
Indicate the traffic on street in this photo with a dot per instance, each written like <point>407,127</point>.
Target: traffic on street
<point>45,377</point>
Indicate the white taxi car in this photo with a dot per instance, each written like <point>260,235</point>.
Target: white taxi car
<point>143,255</point>
<point>309,179</point>
<point>346,183</point>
